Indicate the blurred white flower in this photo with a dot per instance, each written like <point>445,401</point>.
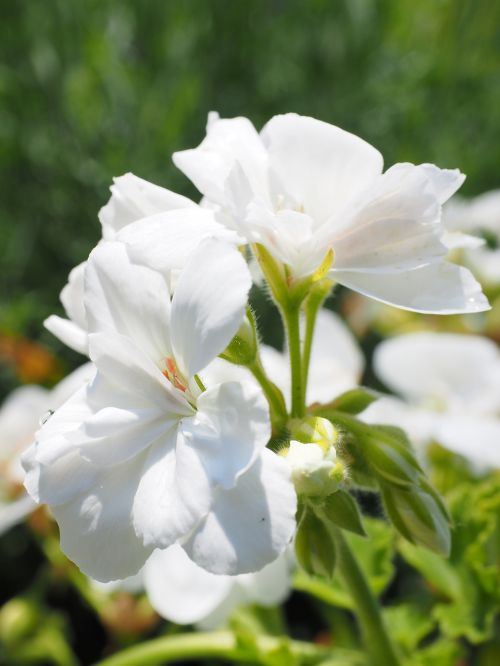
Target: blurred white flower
<point>20,417</point>
<point>479,216</point>
<point>451,387</point>
<point>303,187</point>
<point>182,592</point>
<point>160,228</point>
<point>143,457</point>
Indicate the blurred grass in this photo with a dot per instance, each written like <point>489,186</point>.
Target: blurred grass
<point>93,89</point>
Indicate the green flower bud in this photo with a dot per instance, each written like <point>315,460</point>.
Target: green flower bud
<point>242,350</point>
<point>419,515</point>
<point>18,619</point>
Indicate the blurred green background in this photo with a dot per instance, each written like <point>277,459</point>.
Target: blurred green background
<point>93,89</point>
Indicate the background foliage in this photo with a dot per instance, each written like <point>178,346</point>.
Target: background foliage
<point>92,89</point>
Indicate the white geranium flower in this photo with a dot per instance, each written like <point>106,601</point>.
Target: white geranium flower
<point>184,593</point>
<point>20,417</point>
<point>479,216</point>
<point>451,387</point>
<point>160,227</point>
<point>144,458</point>
<point>303,187</point>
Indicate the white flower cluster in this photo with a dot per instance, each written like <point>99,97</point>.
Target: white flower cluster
<point>166,446</point>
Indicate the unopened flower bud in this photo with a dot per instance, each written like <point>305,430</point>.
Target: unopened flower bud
<point>315,469</point>
<point>242,350</point>
<point>18,619</point>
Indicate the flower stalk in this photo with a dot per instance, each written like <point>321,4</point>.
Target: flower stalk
<point>220,644</point>
<point>376,637</point>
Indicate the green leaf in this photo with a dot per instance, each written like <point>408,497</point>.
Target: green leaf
<point>342,509</point>
<point>354,401</point>
<point>443,652</point>
<point>408,624</point>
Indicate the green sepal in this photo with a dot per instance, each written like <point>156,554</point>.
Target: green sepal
<point>342,510</point>
<point>243,348</point>
<point>314,547</point>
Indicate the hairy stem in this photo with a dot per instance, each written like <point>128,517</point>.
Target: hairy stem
<point>291,315</point>
<point>274,396</point>
<point>377,641</point>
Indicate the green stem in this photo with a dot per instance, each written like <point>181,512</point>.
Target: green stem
<point>220,644</point>
<point>291,315</point>
<point>377,641</point>
<point>274,396</point>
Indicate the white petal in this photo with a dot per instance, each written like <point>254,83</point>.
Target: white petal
<point>249,525</point>
<point>165,241</point>
<point>72,331</point>
<point>320,165</point>
<point>173,494</point>
<point>456,240</point>
<point>219,371</point>
<point>70,384</point>
<point>68,332</point>
<point>208,304</point>
<point>72,296</point>
<point>15,512</point>
<point>425,365</point>
<point>133,198</point>
<point>477,439</point>
<point>394,226</point>
<point>336,359</point>
<point>442,288</point>
<point>228,142</point>
<point>179,590</point>
<point>20,416</point>
<point>96,528</point>
<point>128,299</point>
<point>445,182</point>
<point>229,430</point>
<point>269,586</point>
<point>55,472</point>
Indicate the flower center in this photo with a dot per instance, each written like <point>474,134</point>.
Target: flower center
<point>171,372</point>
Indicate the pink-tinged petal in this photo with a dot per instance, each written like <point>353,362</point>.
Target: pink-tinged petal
<point>133,198</point>
<point>179,590</point>
<point>321,166</point>
<point>173,495</point>
<point>96,527</point>
<point>129,299</point>
<point>250,524</point>
<point>229,142</point>
<point>442,288</point>
<point>165,241</point>
<point>229,430</point>
<point>208,304</point>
